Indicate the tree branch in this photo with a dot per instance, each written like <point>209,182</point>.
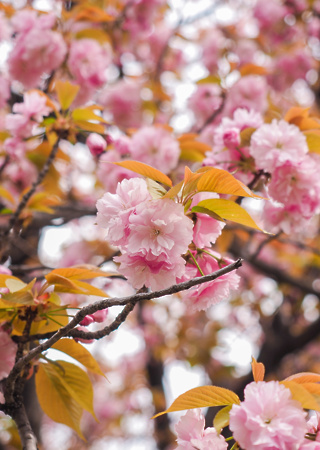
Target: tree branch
<point>28,439</point>
<point>103,304</point>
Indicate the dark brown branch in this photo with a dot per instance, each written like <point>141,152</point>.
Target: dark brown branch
<point>28,439</point>
<point>103,304</point>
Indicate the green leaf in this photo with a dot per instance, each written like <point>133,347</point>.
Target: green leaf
<point>221,419</point>
<point>228,210</point>
<point>146,171</point>
<point>66,93</point>
<point>201,397</point>
<point>222,182</point>
<point>78,352</point>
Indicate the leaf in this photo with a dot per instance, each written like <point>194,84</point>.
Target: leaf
<point>146,171</point>
<point>19,298</point>
<point>245,136</point>
<point>93,33</point>
<point>258,370</point>
<point>222,182</point>
<point>221,419</point>
<point>66,93</point>
<point>304,377</point>
<point>228,210</point>
<point>84,114</point>
<point>93,14</point>
<point>4,278</point>
<point>202,396</point>
<point>15,285</point>
<point>4,193</point>
<point>80,272</point>
<point>54,396</point>
<point>252,69</point>
<point>62,284</point>
<point>89,126</point>
<point>174,191</point>
<point>313,140</point>
<point>209,79</point>
<point>80,353</point>
<point>302,395</point>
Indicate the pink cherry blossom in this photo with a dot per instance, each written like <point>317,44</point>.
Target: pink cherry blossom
<point>114,209</point>
<point>160,227</point>
<point>26,19</point>
<point>8,351</point>
<point>297,184</point>
<point>33,106</point>
<point>205,101</point>
<point>4,90</point>
<point>211,49</point>
<point>250,92</point>
<point>157,147</point>
<point>110,174</point>
<point>36,52</point>
<point>4,27</point>
<point>192,435</point>
<point>96,143</point>
<point>122,100</point>
<point>277,142</point>
<point>268,13</point>
<point>88,62</point>
<point>268,418</point>
<point>203,296</point>
<point>154,271</point>
<point>288,219</point>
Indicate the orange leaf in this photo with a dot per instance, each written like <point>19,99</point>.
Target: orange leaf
<point>258,370</point>
<point>252,69</point>
<point>146,171</point>
<point>66,92</point>
<point>222,182</point>
<point>304,377</point>
<point>302,395</point>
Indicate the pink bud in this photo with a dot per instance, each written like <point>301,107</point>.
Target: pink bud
<point>87,320</point>
<point>96,143</point>
<point>100,316</point>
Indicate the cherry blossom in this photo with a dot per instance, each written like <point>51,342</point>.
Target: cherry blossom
<point>275,143</point>
<point>268,418</point>
<point>191,433</point>
<point>8,351</point>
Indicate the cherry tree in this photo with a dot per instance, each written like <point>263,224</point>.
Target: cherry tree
<point>177,145</point>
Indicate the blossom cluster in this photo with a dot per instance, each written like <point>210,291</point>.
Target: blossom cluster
<point>267,419</point>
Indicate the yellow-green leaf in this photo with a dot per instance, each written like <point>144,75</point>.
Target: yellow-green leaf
<point>245,136</point>
<point>258,370</point>
<point>301,394</point>
<point>66,93</point>
<point>221,419</point>
<point>228,210</point>
<point>14,285</point>
<point>146,171</point>
<point>222,182</point>
<point>4,193</point>
<point>209,79</point>
<point>55,400</point>
<point>78,352</point>
<point>174,191</point>
<point>4,278</point>
<point>19,298</point>
<point>84,114</point>
<point>201,397</point>
<point>89,126</point>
